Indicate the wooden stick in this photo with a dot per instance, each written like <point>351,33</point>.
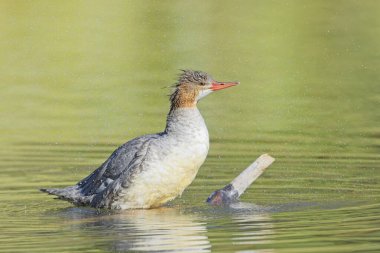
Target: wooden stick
<point>236,188</point>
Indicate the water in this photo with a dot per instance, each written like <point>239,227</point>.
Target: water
<point>77,79</point>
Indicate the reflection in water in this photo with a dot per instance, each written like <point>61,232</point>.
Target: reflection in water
<point>171,229</point>
<point>165,229</point>
<point>243,227</point>
<point>253,229</point>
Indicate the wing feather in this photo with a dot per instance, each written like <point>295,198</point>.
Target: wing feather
<point>114,190</point>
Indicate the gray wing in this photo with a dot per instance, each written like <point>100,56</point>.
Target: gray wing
<point>113,167</point>
<point>113,190</point>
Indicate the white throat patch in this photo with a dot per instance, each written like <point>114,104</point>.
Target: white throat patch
<point>203,93</point>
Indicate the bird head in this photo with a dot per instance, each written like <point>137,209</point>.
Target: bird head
<point>195,85</point>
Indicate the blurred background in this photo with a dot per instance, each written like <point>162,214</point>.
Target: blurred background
<point>80,78</point>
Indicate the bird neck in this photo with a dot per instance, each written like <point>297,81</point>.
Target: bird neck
<point>184,119</point>
<point>183,97</point>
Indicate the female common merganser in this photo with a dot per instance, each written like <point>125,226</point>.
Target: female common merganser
<point>151,170</point>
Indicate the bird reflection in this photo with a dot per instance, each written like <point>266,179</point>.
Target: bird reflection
<point>163,229</point>
<point>240,226</point>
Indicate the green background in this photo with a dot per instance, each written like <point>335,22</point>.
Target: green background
<point>79,78</point>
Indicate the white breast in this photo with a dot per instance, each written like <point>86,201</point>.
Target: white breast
<point>171,163</point>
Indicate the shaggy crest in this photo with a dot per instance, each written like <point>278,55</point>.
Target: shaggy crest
<point>191,76</point>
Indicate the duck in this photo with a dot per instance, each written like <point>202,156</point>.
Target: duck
<point>150,170</point>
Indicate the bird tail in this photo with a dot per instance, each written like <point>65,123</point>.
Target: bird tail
<point>71,194</point>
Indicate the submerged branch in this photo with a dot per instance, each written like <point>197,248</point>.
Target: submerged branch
<point>236,188</point>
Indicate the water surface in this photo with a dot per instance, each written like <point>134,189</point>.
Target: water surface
<point>79,78</point>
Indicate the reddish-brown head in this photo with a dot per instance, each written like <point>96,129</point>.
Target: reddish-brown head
<point>193,86</point>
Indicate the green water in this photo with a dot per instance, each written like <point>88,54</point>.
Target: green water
<point>79,78</point>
